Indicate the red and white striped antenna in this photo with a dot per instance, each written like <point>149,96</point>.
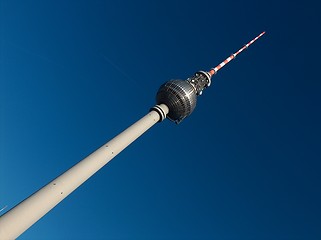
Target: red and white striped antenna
<point>233,56</point>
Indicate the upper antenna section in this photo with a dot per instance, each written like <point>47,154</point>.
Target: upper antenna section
<point>180,96</point>
<point>233,56</point>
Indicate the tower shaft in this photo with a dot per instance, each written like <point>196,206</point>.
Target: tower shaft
<point>22,216</point>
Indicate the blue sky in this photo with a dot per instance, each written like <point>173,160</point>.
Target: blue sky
<point>244,165</point>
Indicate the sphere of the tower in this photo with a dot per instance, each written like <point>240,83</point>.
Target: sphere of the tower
<point>180,98</point>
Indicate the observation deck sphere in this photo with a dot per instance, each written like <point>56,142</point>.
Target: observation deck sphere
<point>179,96</point>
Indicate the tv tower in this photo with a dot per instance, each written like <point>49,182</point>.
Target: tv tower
<point>176,100</point>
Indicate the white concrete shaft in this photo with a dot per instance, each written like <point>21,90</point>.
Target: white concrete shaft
<point>29,211</point>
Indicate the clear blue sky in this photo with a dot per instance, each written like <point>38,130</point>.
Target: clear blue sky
<point>245,165</point>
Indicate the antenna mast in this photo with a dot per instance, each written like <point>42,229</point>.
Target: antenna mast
<point>233,56</point>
